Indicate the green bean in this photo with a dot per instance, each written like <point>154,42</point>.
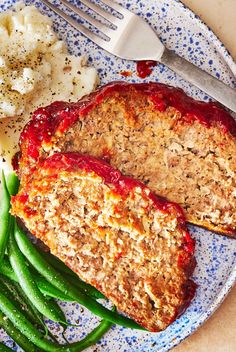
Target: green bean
<point>37,317</point>
<point>21,301</point>
<point>4,348</point>
<point>19,320</point>
<point>15,298</point>
<point>93,337</point>
<point>88,289</point>
<point>12,184</point>
<point>4,217</point>
<point>26,328</point>
<point>16,335</point>
<point>6,292</point>
<point>28,285</point>
<point>9,187</point>
<point>6,270</point>
<point>44,286</point>
<point>49,290</point>
<point>73,277</point>
<point>55,278</point>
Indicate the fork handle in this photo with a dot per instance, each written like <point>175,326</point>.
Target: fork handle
<point>201,79</point>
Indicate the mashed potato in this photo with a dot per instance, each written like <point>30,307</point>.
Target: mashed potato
<point>35,69</point>
<point>34,62</point>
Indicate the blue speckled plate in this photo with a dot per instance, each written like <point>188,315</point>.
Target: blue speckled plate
<point>215,274</point>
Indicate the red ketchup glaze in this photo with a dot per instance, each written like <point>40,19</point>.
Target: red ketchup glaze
<point>190,243</point>
<point>23,198</point>
<point>118,255</point>
<point>15,161</point>
<point>184,257</point>
<point>59,116</point>
<point>158,101</point>
<point>126,73</point>
<point>29,212</point>
<point>190,290</point>
<point>106,154</point>
<point>122,185</point>
<point>145,68</point>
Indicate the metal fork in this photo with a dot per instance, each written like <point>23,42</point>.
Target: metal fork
<point>128,36</point>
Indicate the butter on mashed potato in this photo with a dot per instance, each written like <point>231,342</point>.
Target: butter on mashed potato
<point>35,69</point>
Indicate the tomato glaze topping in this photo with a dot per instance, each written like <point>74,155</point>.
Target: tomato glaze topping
<point>122,184</point>
<point>126,73</point>
<point>15,160</point>
<point>59,116</point>
<point>190,290</point>
<point>145,68</point>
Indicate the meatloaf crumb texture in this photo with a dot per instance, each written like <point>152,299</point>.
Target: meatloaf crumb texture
<point>114,233</point>
<point>182,149</point>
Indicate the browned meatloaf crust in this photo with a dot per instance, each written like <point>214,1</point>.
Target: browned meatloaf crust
<point>114,233</point>
<point>184,150</point>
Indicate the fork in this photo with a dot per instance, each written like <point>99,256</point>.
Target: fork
<point>128,36</point>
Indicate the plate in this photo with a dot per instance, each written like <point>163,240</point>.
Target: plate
<point>215,274</point>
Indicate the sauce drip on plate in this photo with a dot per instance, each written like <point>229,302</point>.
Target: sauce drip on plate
<point>145,68</point>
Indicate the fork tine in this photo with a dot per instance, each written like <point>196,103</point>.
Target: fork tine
<point>92,36</point>
<point>97,24</point>
<point>99,10</point>
<point>113,5</point>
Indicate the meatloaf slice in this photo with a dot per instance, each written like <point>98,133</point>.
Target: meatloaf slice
<point>114,233</point>
<point>184,150</point>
